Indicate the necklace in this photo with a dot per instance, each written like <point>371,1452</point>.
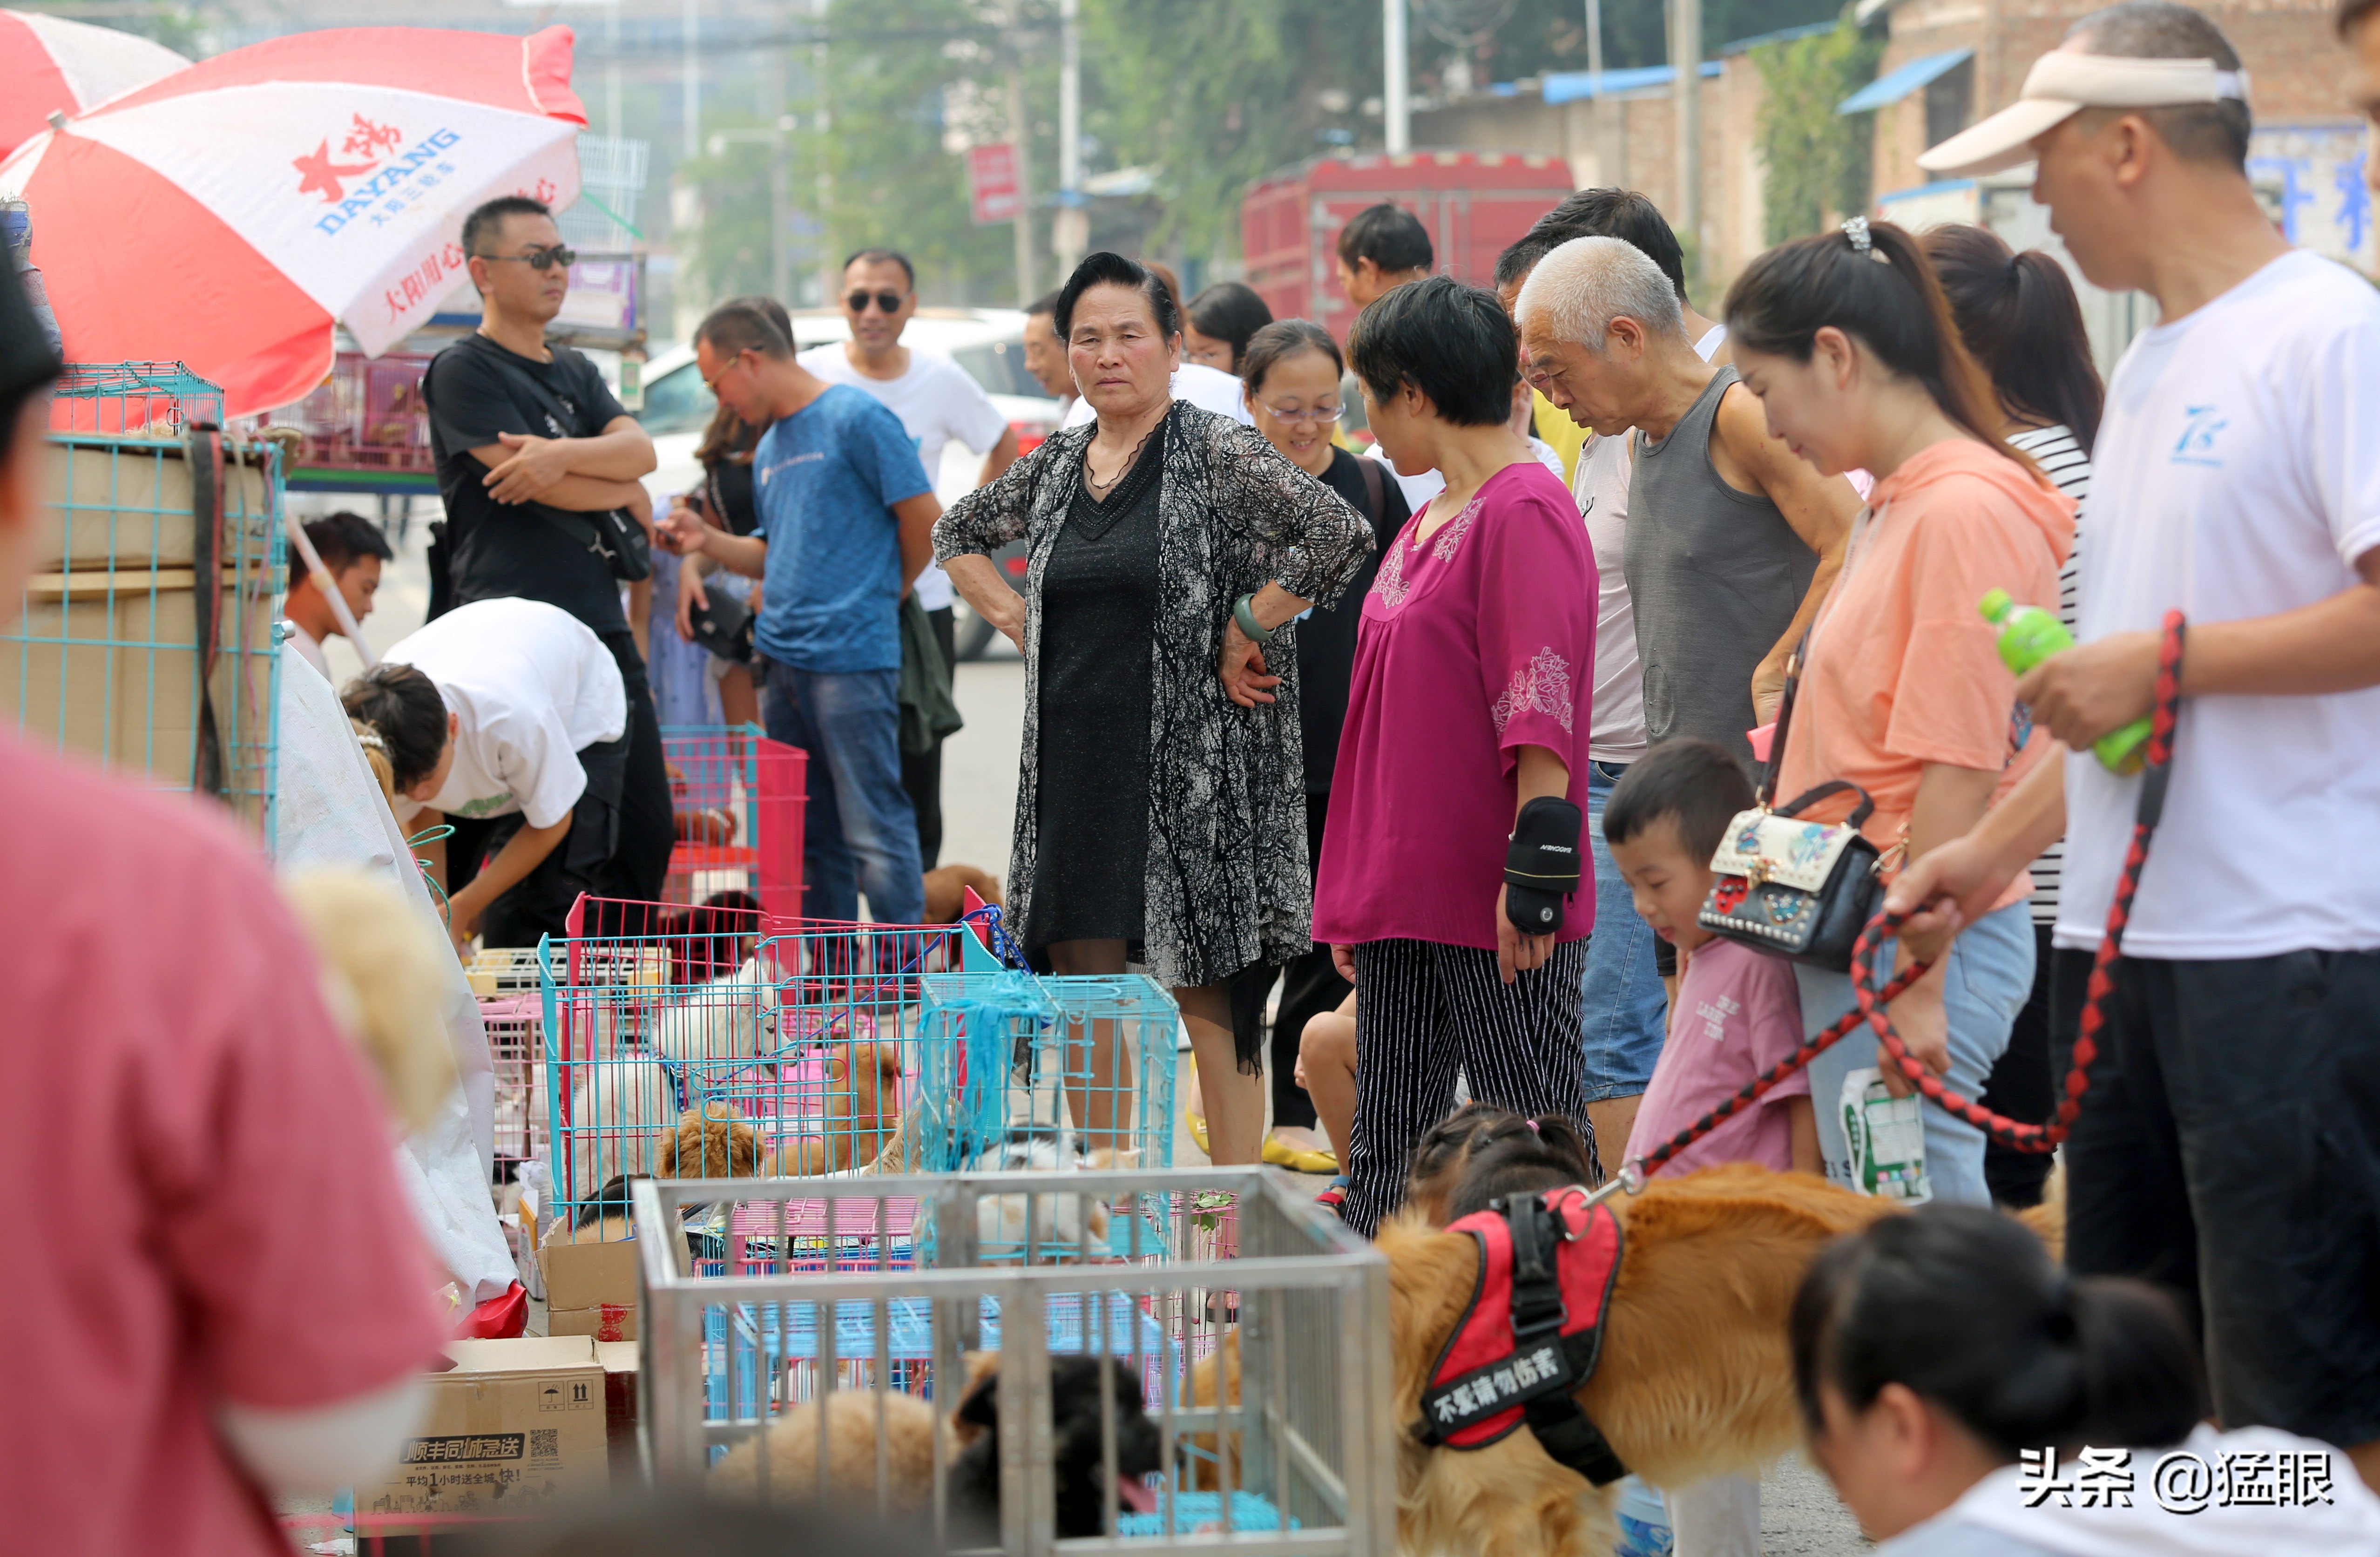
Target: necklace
<point>1091,515</point>
<point>1099,489</point>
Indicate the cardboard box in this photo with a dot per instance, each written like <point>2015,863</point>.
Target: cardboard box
<point>620,1363</point>
<point>126,504</point>
<point>590,1289</point>
<point>519,1425</point>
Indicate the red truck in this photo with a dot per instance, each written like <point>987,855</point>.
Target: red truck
<point>1472,202</point>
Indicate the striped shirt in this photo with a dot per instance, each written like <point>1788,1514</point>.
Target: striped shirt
<point>2063,461</point>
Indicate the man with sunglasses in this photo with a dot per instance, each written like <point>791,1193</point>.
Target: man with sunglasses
<point>937,402</point>
<point>534,453</point>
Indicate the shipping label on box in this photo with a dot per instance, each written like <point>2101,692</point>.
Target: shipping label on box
<point>518,1423</point>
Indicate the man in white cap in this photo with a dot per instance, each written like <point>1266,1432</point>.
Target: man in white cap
<point>2229,1145</point>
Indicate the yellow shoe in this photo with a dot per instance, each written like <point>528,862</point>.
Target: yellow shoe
<point>1197,1124</point>
<point>1281,1155</point>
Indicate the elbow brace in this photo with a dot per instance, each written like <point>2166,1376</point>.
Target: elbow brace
<point>1541,864</point>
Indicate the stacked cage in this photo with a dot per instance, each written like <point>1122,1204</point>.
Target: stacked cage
<point>146,639</point>
<point>1218,1379</point>
<point>738,797</point>
<point>512,1008</point>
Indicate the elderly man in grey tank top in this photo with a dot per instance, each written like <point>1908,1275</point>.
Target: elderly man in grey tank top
<point>1732,538</point>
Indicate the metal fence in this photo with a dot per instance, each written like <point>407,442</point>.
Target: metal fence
<point>1214,1375</point>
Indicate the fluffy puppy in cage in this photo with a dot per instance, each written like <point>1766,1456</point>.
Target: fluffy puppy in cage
<point>1079,1418</point>
<point>781,1463</point>
<point>728,1019</point>
<point>1692,1379</point>
<point>863,1113</point>
<point>709,1142</point>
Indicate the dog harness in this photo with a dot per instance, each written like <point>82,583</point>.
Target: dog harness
<point>1530,1337</point>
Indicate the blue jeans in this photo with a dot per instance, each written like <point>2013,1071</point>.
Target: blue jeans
<point>1626,1008</point>
<point>860,831</point>
<point>1987,983</point>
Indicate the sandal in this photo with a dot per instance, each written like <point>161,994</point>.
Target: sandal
<point>1333,1195</point>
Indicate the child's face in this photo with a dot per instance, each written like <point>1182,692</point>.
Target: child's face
<point>1667,882</point>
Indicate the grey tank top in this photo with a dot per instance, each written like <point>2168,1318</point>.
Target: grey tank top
<point>1714,575</point>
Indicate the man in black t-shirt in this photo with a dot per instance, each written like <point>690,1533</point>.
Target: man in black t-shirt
<point>533,451</point>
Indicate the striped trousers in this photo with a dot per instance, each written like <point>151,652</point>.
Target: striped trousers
<point>1423,1012</point>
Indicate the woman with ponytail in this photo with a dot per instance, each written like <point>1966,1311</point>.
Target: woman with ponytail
<point>1936,1354</point>
<point>2020,319</point>
<point>1849,343</point>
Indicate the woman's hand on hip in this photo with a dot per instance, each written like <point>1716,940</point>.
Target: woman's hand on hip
<point>1007,618</point>
<point>1241,666</point>
<point>1516,953</point>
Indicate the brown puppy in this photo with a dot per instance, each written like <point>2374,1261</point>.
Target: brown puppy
<point>791,1444</point>
<point>946,892</point>
<point>863,1110</point>
<point>1693,1379</point>
<point>709,1142</point>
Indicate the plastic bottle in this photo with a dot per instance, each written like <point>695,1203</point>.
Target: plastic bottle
<point>2030,635</point>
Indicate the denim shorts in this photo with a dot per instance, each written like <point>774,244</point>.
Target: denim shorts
<point>1624,1010</point>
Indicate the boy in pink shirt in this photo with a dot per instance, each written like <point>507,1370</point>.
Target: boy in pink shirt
<point>1738,1010</point>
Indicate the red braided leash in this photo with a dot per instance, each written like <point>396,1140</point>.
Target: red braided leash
<point>1876,992</point>
<point>1868,971</point>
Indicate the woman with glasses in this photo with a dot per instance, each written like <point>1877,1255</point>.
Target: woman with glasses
<point>1293,371</point>
<point>1159,813</point>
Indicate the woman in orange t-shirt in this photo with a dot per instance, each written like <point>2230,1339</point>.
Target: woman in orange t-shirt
<point>1850,345</point>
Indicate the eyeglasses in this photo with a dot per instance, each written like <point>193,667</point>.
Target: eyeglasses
<point>539,259</point>
<point>887,302</point>
<point>1325,414</point>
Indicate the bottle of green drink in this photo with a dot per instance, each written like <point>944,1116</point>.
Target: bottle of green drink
<point>2030,635</point>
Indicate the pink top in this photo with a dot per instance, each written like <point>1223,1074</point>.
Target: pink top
<point>1474,643</point>
<point>1739,1012</point>
<point>204,1205</point>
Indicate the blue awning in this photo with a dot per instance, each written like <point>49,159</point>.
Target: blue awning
<point>1572,86</point>
<point>1887,90</point>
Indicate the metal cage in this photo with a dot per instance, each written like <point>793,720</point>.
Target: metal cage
<point>739,799</point>
<point>122,650</point>
<point>764,1301</point>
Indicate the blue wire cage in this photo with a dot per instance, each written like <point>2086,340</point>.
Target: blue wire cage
<point>117,653</point>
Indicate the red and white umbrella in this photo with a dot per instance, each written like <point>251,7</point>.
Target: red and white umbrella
<point>53,66</point>
<point>225,216</point>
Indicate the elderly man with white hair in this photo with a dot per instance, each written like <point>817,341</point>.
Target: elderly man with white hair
<point>1731,539</point>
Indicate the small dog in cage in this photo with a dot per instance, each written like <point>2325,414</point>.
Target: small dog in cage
<point>787,1454</point>
<point>728,1019</point>
<point>863,1110</point>
<point>1077,1416</point>
<point>709,1142</point>
<point>1058,1222</point>
<point>946,890</point>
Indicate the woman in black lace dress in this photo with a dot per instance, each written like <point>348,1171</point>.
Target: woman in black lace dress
<point>1161,812</point>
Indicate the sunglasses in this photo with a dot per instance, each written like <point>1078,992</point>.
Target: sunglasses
<point>539,259</point>
<point>887,302</point>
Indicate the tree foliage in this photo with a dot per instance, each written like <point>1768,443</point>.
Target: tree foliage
<point>1816,159</point>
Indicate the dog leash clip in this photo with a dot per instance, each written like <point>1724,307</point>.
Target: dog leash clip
<point>1630,1177</point>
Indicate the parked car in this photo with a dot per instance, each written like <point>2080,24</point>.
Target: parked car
<point>988,343</point>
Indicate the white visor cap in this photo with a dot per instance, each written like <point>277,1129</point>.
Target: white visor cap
<point>2061,85</point>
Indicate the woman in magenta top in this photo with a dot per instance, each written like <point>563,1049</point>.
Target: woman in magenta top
<point>1473,673</point>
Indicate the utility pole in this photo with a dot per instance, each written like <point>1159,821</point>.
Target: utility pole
<point>1607,153</point>
<point>612,125</point>
<point>1020,136</point>
<point>821,60</point>
<point>1396,106</point>
<point>1686,57</point>
<point>690,114</point>
<point>1070,230</point>
<point>781,194</point>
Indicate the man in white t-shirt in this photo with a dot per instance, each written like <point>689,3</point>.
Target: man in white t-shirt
<point>2230,1143</point>
<point>352,549</point>
<point>508,720</point>
<point>938,402</point>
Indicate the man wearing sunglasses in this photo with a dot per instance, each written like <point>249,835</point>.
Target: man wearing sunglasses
<point>937,403</point>
<point>535,456</point>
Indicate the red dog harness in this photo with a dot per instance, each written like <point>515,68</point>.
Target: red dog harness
<point>1529,1340</point>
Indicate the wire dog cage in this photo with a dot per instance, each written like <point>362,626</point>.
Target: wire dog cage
<point>146,639</point>
<point>739,799</point>
<point>1222,1381</point>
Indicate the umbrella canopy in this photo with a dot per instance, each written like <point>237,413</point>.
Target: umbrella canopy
<point>53,66</point>
<point>225,216</point>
